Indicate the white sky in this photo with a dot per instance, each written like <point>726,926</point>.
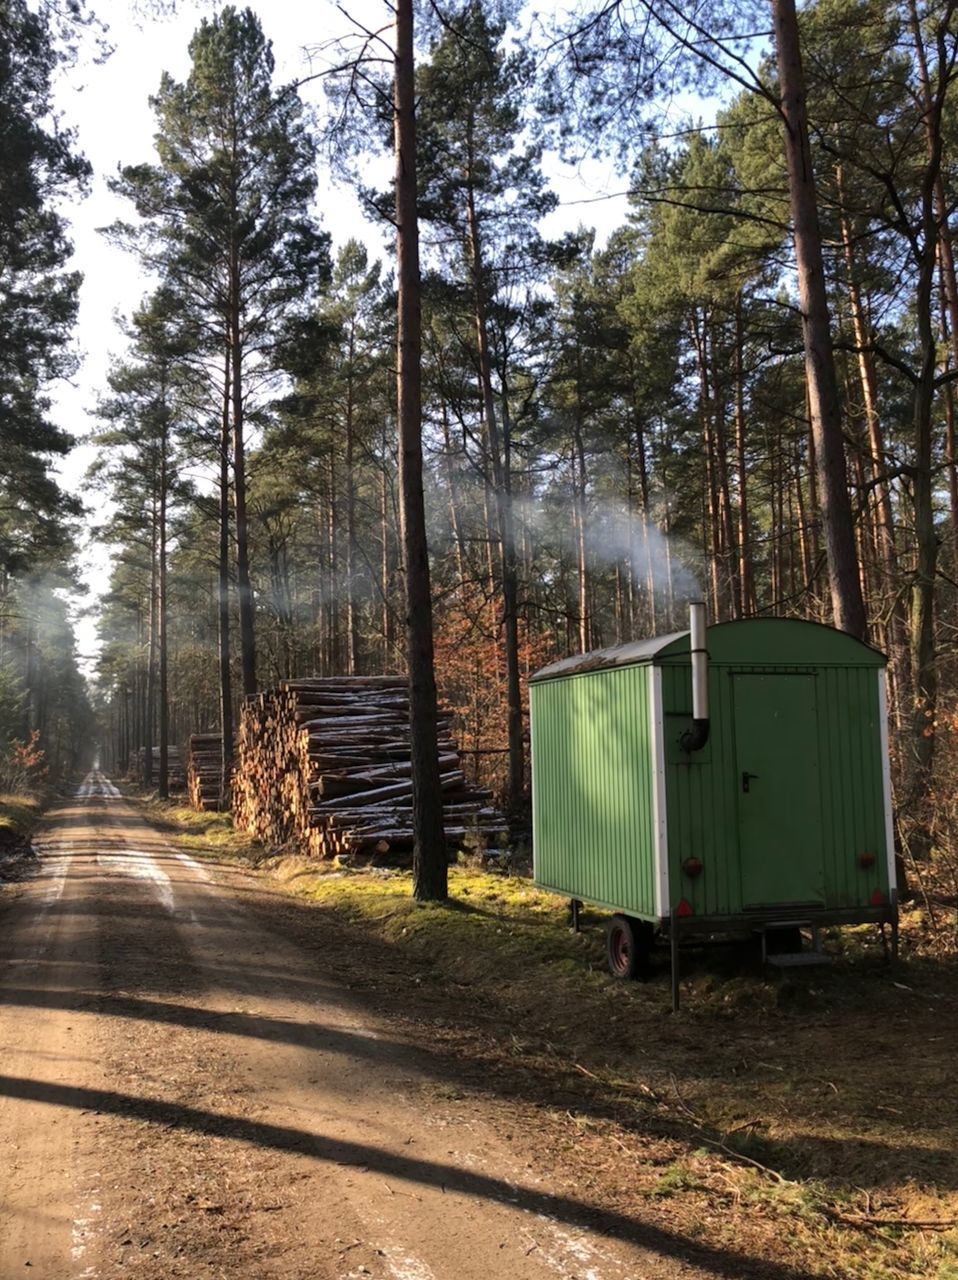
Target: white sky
<point>108,105</point>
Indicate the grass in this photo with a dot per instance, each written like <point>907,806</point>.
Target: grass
<point>18,817</point>
<point>205,833</point>
<point>492,926</point>
<point>813,1115</point>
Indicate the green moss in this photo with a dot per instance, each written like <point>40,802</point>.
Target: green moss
<point>676,1178</point>
<point>491,924</point>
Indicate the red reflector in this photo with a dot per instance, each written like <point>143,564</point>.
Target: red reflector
<point>684,909</point>
<point>878,899</point>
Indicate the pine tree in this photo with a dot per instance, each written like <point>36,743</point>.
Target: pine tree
<point>330,431</point>
<point>140,458</point>
<point>38,295</point>
<point>430,872</point>
<point>483,189</point>
<point>226,218</point>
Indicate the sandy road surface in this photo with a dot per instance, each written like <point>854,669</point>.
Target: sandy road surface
<point>183,1092</point>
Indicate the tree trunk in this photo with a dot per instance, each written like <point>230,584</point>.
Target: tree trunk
<point>150,703</point>
<point>646,625</point>
<point>138,711</point>
<point>726,522</point>
<point>934,241</point>
<point>384,567</point>
<point>226,690</point>
<point>453,487</point>
<point>869,387</point>
<point>669,577</point>
<point>746,585</point>
<point>814,514</point>
<point>924,669</point>
<point>580,482</point>
<point>244,590</point>
<point>803,539</point>
<point>430,866</point>
<point>825,410</point>
<point>352,642</point>
<point>896,629</point>
<point>950,328</point>
<point>164,778</point>
<point>710,507</point>
<point>775,499</point>
<point>510,598</point>
<point>334,645</point>
<point>950,452</point>
<point>498,452</point>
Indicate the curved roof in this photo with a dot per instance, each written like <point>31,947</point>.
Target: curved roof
<point>620,655</point>
<point>749,642</point>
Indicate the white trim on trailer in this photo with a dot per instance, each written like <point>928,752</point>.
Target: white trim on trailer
<point>659,818</point>
<point>886,784</point>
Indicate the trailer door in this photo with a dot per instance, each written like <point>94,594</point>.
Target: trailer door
<point>781,857</point>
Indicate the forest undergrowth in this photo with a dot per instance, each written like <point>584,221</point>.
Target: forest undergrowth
<point>19,814</point>
<point>810,1118</point>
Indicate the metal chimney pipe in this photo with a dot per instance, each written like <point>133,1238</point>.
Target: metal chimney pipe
<point>694,739</point>
<point>700,679</point>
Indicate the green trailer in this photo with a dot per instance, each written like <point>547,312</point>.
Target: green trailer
<point>757,800</point>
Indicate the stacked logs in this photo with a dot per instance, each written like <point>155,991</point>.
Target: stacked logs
<point>174,766</point>
<point>324,765</point>
<point>204,770</point>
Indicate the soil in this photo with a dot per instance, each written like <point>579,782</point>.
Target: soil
<point>202,1078</point>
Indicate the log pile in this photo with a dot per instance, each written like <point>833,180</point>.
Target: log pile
<point>174,766</point>
<point>204,770</point>
<point>323,765</point>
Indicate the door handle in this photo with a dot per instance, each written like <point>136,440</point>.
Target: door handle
<point>746,779</point>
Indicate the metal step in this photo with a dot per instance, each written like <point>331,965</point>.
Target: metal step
<point>798,959</point>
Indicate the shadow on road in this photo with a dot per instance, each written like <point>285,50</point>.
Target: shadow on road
<point>407,1169</point>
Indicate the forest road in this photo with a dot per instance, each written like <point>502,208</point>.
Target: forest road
<point>183,1093</point>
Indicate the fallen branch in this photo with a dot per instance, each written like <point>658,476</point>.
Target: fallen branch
<point>851,1220</point>
<point>701,1125</point>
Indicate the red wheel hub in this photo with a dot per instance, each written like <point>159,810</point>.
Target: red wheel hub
<point>620,949</point>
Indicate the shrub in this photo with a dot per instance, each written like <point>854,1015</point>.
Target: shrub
<point>23,766</point>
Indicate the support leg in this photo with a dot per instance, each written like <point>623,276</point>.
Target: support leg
<point>575,906</point>
<point>674,946</point>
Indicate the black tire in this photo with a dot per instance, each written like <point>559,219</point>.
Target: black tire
<point>628,947</point>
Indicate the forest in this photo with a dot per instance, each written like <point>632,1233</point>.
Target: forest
<point>497,447</point>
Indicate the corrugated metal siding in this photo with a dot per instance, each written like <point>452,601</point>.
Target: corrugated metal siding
<point>592,780</point>
<point>853,813</point>
<point>701,796</point>
<point>702,792</point>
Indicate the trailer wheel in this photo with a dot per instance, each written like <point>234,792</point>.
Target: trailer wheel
<point>628,946</point>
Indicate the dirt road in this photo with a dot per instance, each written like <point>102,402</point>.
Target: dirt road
<point>184,1092</point>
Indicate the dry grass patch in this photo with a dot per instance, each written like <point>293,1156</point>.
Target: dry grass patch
<point>18,817</point>
<point>205,832</point>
